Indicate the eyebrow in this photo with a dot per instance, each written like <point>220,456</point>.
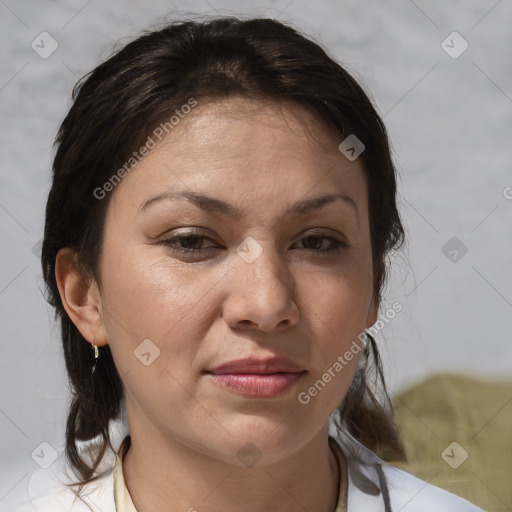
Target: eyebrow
<point>213,205</point>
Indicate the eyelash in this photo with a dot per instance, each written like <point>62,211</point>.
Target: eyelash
<point>171,243</point>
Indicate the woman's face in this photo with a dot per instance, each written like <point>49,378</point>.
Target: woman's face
<point>255,269</point>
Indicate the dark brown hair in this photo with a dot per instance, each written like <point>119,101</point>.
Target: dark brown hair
<point>117,106</point>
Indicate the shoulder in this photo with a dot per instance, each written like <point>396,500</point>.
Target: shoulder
<point>49,490</point>
<point>49,493</point>
<point>368,475</point>
<point>410,494</point>
<point>52,490</point>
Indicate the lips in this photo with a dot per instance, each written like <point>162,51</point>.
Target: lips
<point>257,378</point>
<point>257,366</point>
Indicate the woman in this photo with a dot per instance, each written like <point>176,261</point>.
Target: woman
<point>222,207</point>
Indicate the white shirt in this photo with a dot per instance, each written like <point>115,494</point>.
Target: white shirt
<point>406,492</point>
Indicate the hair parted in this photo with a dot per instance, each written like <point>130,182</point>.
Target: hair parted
<point>118,104</point>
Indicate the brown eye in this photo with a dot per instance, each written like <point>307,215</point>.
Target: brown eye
<point>187,243</point>
<point>315,243</point>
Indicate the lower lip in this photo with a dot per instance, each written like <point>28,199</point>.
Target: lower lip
<point>257,385</point>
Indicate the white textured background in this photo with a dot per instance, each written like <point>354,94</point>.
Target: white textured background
<point>450,121</point>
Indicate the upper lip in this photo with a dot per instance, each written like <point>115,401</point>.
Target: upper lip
<point>261,366</point>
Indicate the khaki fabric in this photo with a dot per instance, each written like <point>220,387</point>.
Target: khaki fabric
<point>457,431</point>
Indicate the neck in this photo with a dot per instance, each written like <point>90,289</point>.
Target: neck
<point>163,473</point>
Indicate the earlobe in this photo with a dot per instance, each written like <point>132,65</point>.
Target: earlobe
<point>80,297</point>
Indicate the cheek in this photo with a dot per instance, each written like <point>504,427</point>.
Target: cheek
<point>156,296</point>
<point>152,299</point>
<point>338,313</point>
<point>339,317</point>
<point>338,308</point>
<point>156,319</point>
<point>339,300</point>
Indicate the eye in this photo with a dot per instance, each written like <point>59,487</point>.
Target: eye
<point>187,243</point>
<point>315,241</point>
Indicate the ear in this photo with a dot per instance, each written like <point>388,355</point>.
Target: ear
<point>80,297</point>
<point>373,310</point>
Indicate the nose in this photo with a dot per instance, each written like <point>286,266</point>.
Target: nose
<point>261,294</point>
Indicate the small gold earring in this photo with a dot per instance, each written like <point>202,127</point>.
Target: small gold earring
<point>96,356</point>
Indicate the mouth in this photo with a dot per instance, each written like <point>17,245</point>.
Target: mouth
<point>257,385</point>
<point>257,378</point>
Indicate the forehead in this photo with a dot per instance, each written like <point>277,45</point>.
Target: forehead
<point>245,148</point>
<point>286,115</point>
